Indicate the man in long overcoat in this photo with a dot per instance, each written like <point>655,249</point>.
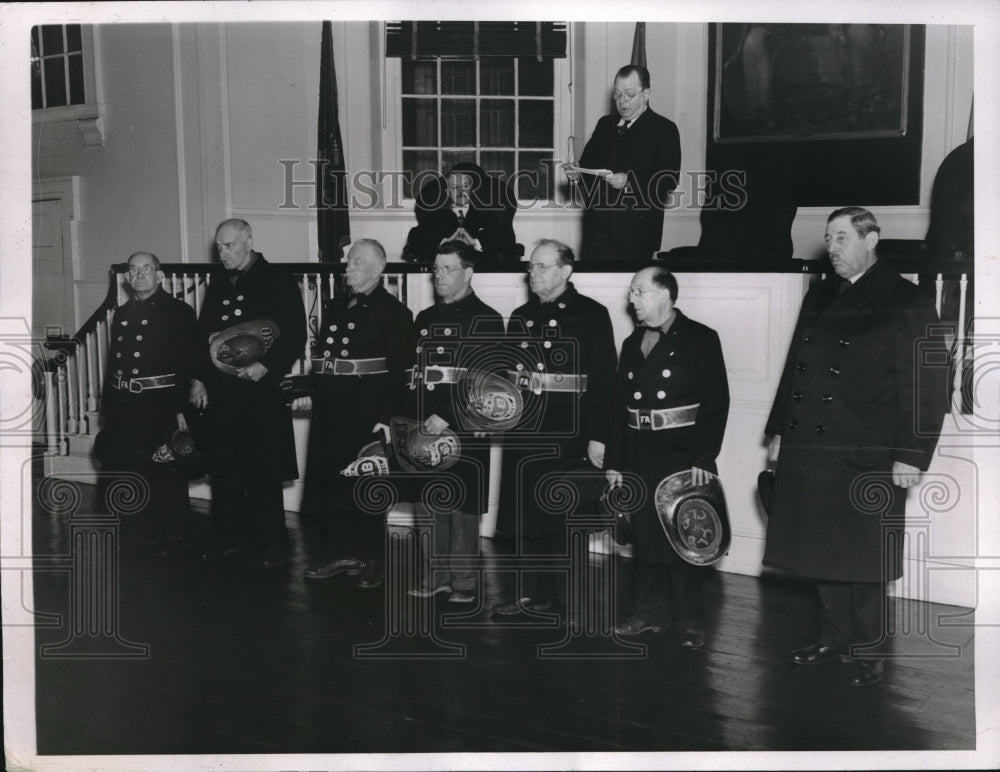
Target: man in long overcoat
<point>671,408</point>
<point>363,349</point>
<point>251,446</point>
<point>855,421</point>
<point>564,363</point>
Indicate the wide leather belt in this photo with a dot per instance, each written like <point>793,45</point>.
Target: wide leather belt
<point>374,366</point>
<point>664,418</point>
<point>136,385</point>
<point>434,374</point>
<point>539,382</point>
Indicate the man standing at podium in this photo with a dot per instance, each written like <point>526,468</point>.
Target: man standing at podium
<point>623,219</point>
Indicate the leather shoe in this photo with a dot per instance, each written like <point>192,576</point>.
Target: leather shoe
<point>692,638</point>
<point>462,596</point>
<point>371,577</point>
<point>636,625</point>
<point>520,605</point>
<point>349,566</point>
<point>420,592</point>
<point>865,672</point>
<point>816,654</point>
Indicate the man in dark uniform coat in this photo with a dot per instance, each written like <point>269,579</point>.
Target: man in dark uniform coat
<point>855,419</point>
<point>468,206</point>
<point>457,333</point>
<point>153,353</point>
<point>251,447</point>
<point>565,365</point>
<point>362,350</point>
<point>623,219</point>
<point>671,407</point>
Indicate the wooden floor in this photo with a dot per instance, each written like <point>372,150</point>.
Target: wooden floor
<point>244,661</point>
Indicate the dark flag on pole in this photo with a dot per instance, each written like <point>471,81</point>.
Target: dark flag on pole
<point>639,44</point>
<point>333,223</point>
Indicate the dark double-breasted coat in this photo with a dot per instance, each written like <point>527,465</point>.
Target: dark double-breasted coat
<point>854,397</point>
<point>569,335</point>
<point>630,221</point>
<point>684,368</point>
<point>248,425</point>
<point>155,336</point>
<point>345,408</point>
<point>460,334</point>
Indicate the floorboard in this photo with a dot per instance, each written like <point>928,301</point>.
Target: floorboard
<point>246,661</point>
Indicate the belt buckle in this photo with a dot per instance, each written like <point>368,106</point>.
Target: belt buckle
<point>436,371</point>
<point>344,367</point>
<point>134,386</point>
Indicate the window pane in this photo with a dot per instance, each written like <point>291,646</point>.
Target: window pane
<point>534,78</point>
<point>420,123</point>
<point>496,162</point>
<point>458,77</point>
<point>52,39</point>
<point>36,89</point>
<point>458,123</point>
<point>497,123</point>
<point>73,41</point>
<point>451,157</point>
<point>415,162</point>
<point>496,76</point>
<point>55,82</point>
<point>535,125</point>
<point>76,95</point>
<point>419,77</point>
<point>536,178</point>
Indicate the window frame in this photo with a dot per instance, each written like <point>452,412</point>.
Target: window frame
<point>89,115</point>
<point>392,131</point>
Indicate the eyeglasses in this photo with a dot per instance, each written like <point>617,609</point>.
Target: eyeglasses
<point>627,96</point>
<point>444,270</point>
<point>640,291</point>
<point>141,270</point>
<point>533,268</point>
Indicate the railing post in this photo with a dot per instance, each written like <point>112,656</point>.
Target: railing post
<point>92,371</point>
<point>956,392</point>
<point>62,441</point>
<point>51,449</point>
<point>73,422</point>
<point>102,356</point>
<point>938,292</point>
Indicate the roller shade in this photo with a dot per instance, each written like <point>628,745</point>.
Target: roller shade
<point>472,40</point>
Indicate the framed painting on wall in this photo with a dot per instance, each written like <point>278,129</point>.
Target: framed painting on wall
<point>807,82</point>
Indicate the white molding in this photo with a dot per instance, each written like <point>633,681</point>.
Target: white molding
<point>175,44</point>
<point>227,145</point>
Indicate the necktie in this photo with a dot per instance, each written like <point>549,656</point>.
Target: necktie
<point>460,214</point>
<point>622,128</point>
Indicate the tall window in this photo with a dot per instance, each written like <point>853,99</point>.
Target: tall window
<point>479,92</point>
<point>57,73</point>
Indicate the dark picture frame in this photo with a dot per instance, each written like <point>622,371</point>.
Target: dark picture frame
<point>807,82</point>
<point>868,163</point>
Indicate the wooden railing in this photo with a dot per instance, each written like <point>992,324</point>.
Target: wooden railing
<point>74,375</point>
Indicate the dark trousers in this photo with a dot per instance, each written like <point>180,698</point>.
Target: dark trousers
<point>165,491</point>
<point>248,514</point>
<point>671,591</point>
<point>850,612</point>
<point>350,533</point>
<point>544,580</point>
<point>455,537</point>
